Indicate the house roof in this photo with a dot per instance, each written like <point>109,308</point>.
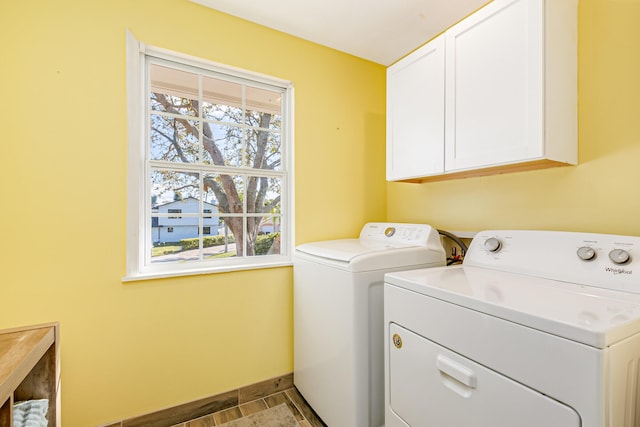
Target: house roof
<point>174,202</point>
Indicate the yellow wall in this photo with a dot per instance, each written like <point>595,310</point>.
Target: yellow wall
<point>601,193</point>
<point>129,349</point>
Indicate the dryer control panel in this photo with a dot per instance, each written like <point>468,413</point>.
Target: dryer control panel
<point>601,260</point>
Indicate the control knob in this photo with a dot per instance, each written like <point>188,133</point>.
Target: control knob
<point>619,256</point>
<point>389,231</point>
<point>586,253</point>
<point>492,244</point>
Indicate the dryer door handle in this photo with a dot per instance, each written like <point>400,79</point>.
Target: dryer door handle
<point>456,371</point>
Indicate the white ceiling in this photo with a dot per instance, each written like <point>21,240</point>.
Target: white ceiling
<point>381,31</point>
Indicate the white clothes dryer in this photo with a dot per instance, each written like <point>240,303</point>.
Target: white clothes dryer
<point>338,317</point>
<point>536,328</point>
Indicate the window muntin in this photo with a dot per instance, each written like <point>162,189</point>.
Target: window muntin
<point>218,141</point>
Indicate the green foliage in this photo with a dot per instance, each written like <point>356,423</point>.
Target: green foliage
<point>207,242</point>
<point>264,242</point>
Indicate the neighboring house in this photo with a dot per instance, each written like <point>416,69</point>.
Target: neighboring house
<point>269,227</point>
<point>176,226</point>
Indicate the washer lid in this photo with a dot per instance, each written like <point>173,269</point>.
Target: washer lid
<point>593,316</point>
<point>345,250</point>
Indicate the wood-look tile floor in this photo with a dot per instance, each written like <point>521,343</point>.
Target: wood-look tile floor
<point>302,412</point>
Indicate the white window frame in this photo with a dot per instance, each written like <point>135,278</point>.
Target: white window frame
<point>138,194</point>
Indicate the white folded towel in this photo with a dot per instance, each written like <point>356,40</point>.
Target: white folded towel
<point>30,413</point>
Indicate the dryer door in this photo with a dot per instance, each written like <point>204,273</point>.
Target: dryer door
<point>431,386</point>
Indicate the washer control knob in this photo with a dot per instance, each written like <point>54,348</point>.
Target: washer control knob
<point>586,253</point>
<point>492,244</point>
<point>619,256</point>
<point>389,231</point>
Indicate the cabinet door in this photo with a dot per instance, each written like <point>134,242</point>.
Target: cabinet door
<point>415,113</point>
<point>494,112</point>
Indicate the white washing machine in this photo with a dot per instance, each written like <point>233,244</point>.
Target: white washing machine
<point>534,329</point>
<point>338,317</point>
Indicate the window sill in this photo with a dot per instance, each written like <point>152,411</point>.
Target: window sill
<point>205,270</point>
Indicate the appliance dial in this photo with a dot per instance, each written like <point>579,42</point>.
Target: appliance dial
<point>389,231</point>
<point>619,256</point>
<point>492,244</point>
<point>586,253</point>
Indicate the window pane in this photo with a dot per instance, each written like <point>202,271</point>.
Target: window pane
<point>270,224</point>
<point>263,108</point>
<point>174,140</point>
<point>175,238</point>
<point>225,246</point>
<point>222,100</point>
<point>163,246</point>
<point>173,91</point>
<point>263,194</point>
<point>261,238</point>
<point>172,190</point>
<point>263,150</point>
<point>226,192</point>
<point>214,244</point>
<point>226,149</point>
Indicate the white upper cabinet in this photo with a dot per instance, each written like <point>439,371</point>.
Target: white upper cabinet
<point>494,111</point>
<point>510,99</point>
<point>415,113</point>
